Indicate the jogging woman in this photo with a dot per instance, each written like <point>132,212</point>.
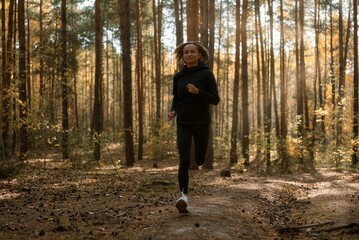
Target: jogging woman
<point>194,89</point>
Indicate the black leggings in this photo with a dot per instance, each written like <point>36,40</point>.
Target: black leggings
<point>200,134</point>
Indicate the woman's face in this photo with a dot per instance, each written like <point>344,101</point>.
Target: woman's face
<point>191,55</point>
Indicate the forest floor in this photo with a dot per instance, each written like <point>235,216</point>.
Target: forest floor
<point>51,199</point>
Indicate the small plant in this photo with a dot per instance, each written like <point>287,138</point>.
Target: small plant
<point>160,145</point>
<point>10,168</point>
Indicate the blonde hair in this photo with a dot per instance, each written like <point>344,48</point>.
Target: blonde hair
<point>201,49</point>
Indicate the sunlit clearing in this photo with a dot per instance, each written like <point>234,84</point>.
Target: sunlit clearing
<point>329,191</point>
<point>5,194</point>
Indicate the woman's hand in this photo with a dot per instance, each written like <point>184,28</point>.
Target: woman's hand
<point>192,89</point>
<point>171,115</point>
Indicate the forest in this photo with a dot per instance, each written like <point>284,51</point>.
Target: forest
<point>86,86</point>
<point>78,76</point>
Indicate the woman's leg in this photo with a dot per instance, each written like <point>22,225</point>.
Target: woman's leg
<point>201,138</point>
<point>184,137</point>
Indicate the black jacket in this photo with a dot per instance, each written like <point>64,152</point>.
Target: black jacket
<point>194,108</point>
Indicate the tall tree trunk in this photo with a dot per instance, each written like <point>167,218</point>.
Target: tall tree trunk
<point>64,82</point>
<point>157,22</point>
<point>245,108</point>
<point>98,93</point>
<point>318,91</point>
<point>341,77</point>
<point>303,94</point>
<point>356,85</point>
<point>283,97</point>
<point>267,118</point>
<point>204,21</point>
<point>331,71</point>
<point>299,86</point>
<point>139,75</point>
<point>272,69</point>
<point>23,81</point>
<point>211,29</point>
<point>192,20</point>
<point>7,73</point>
<point>125,23</point>
<point>41,57</point>
<point>321,89</point>
<point>316,80</point>
<point>235,106</point>
<point>3,79</point>
<point>179,24</point>
<point>221,89</point>
<point>28,59</point>
<point>258,104</point>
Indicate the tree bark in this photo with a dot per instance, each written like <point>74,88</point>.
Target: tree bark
<point>125,24</point>
<point>64,82</point>
<point>283,98</point>
<point>245,108</point>
<point>6,81</point>
<point>299,97</point>
<point>356,85</point>
<point>41,57</point>
<point>204,22</point>
<point>23,81</point>
<point>259,87</point>
<point>235,106</point>
<point>139,75</point>
<point>157,22</point>
<point>192,20</point>
<point>98,93</point>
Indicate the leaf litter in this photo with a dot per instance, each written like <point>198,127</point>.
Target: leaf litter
<point>57,201</point>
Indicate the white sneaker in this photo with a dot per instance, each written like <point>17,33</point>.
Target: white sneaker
<point>182,203</point>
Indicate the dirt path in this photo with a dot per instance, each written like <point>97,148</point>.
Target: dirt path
<point>58,202</point>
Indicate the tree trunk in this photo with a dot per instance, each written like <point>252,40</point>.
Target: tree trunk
<point>258,92</point>
<point>272,70</point>
<point>299,97</point>
<point>321,88</point>
<point>235,106</point>
<point>245,108</point>
<point>211,29</point>
<point>3,73</point>
<point>204,21</point>
<point>7,72</point>
<point>318,96</point>
<point>192,20</point>
<point>356,85</point>
<point>23,81</point>
<point>341,86</point>
<point>157,23</point>
<point>267,118</point>
<point>125,24</point>
<point>98,93</point>
<point>283,98</point>
<point>41,57</point>
<point>221,89</point>
<point>64,82</point>
<point>139,75</point>
<point>331,70</point>
<point>179,21</point>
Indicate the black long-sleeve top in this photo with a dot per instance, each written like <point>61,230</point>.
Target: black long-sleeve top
<point>194,108</point>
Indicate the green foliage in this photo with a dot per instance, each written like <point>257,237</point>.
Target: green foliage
<point>80,147</point>
<point>221,148</point>
<point>161,145</point>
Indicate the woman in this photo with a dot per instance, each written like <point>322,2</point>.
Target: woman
<point>194,88</point>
